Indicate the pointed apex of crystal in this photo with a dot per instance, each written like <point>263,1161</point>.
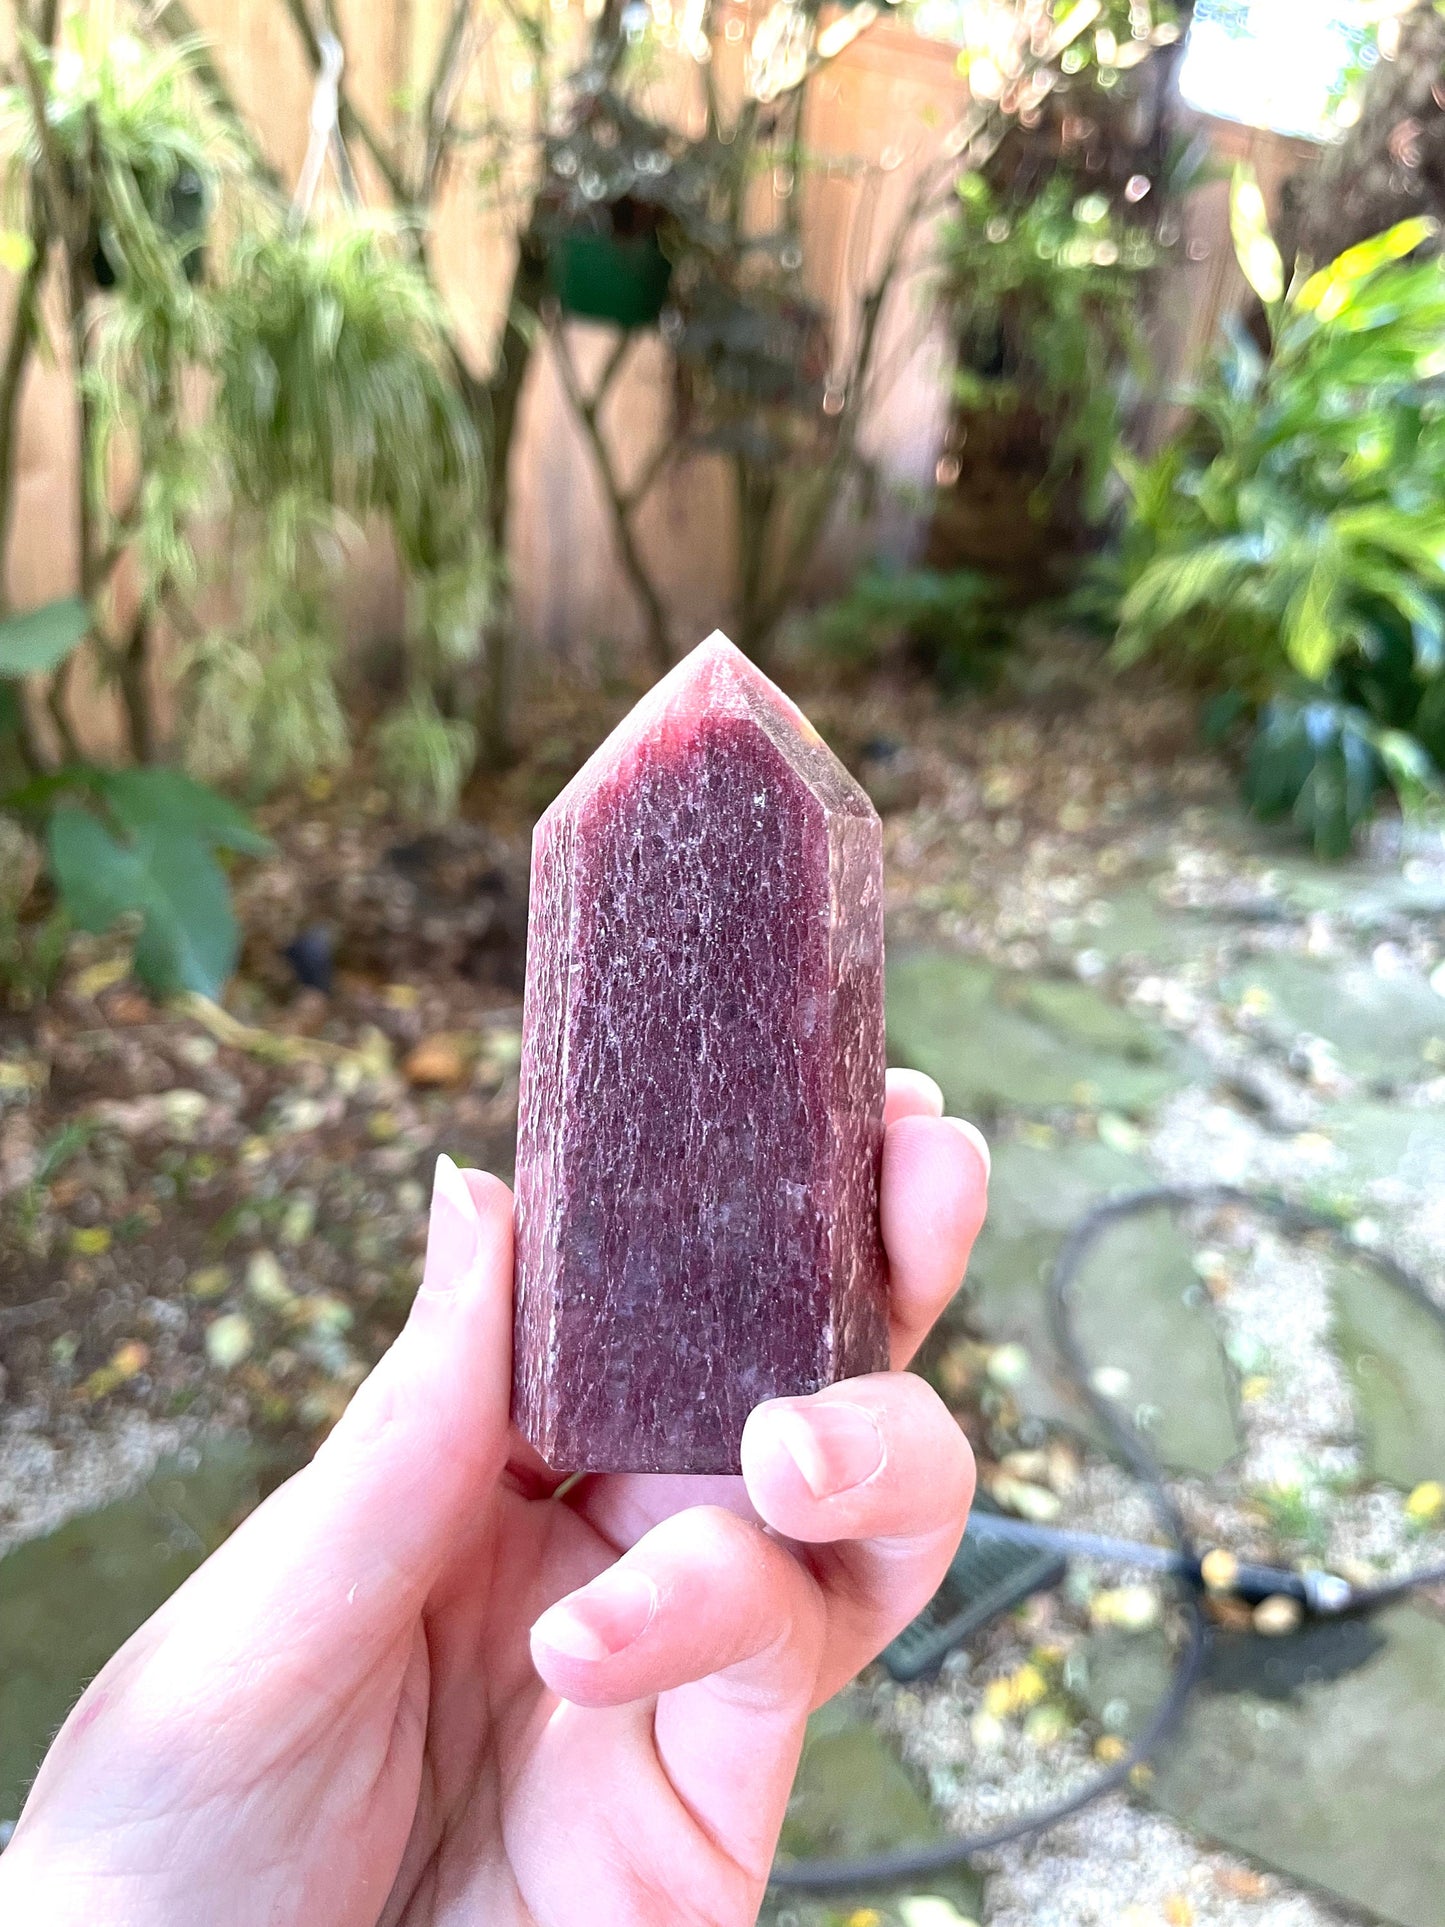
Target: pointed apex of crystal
<point>715,687</point>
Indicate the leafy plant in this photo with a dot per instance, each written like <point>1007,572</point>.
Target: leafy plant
<point>1293,533</point>
<point>135,844</point>
<point>113,158</point>
<point>1042,299</point>
<point>1321,763</point>
<point>334,404</point>
<point>951,623</point>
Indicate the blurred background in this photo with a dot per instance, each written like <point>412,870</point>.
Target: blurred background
<point>1048,393</point>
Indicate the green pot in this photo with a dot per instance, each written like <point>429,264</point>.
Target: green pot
<point>604,277</point>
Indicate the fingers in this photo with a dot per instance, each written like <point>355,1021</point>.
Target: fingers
<point>726,1627</point>
<point>876,1474</point>
<point>933,1193</point>
<point>911,1094</point>
<point>345,1551</point>
<point>703,1593</point>
<point>427,1432</point>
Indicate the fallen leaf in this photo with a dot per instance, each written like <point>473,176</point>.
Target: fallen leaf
<point>440,1060</point>
<point>266,1282</point>
<point>1008,1365</point>
<point>97,978</point>
<point>1277,1616</point>
<point>931,1910</point>
<point>1047,1725</point>
<point>1241,1883</point>
<point>1131,1609</point>
<point>1032,1502</point>
<point>129,1007</point>
<point>1426,1502</point>
<point>210,1282</point>
<point>229,1339</point>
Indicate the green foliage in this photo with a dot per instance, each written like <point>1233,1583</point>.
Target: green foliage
<point>425,757</point>
<point>141,844</point>
<point>335,403</point>
<point>1043,300</point>
<point>42,638</point>
<point>125,118</point>
<point>134,160</point>
<point>953,624</point>
<point>1294,530</point>
<point>330,400</point>
<point>1314,762</point>
<point>124,843</point>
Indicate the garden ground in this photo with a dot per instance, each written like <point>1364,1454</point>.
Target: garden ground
<point>211,1226</point>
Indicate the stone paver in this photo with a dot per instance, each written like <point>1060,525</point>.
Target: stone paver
<point>1340,1784</point>
<point>1385,1030</point>
<point>69,1600</point>
<point>1140,1307</point>
<point>997,1041</point>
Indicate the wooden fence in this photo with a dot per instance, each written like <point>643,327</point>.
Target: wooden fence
<point>877,120</point>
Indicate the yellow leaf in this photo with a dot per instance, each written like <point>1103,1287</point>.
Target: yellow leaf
<point>99,977</point>
<point>17,251</point>
<point>1326,292</point>
<point>91,1241</point>
<point>1029,1686</point>
<point>1427,1501</point>
<point>1259,258</point>
<point>998,1698</point>
<point>1310,640</point>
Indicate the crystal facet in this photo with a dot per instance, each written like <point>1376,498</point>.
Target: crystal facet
<point>702,1081</point>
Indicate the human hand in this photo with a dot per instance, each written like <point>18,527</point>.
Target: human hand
<point>417,1688</point>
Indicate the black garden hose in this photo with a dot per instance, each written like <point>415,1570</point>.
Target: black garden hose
<point>1298,1221</point>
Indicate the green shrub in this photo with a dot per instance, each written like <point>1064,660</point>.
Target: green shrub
<point>136,844</point>
<point>950,623</point>
<point>1043,300</point>
<point>335,403</point>
<point>1291,538</point>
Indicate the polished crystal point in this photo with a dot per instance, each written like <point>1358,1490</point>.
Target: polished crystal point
<point>702,1081</point>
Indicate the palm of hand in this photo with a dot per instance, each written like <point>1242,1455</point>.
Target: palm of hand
<point>353,1714</point>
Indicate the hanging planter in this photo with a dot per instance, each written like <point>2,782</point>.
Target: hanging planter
<point>615,272</point>
<point>180,209</point>
<point>606,277</point>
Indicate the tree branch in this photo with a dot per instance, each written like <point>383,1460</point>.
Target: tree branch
<point>587,409</point>
<point>453,58</point>
<point>175,21</point>
<point>23,328</point>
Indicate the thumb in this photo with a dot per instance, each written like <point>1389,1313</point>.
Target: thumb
<point>347,1550</point>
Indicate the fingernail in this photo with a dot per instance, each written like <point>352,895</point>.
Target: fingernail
<point>452,1233</point>
<point>834,1447</point>
<point>598,1622</point>
<point>924,1086</point>
<point>976,1138</point>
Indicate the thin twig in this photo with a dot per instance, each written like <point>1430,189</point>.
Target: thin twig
<point>587,408</point>
<point>176,22</point>
<point>647,476</point>
<point>453,58</point>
